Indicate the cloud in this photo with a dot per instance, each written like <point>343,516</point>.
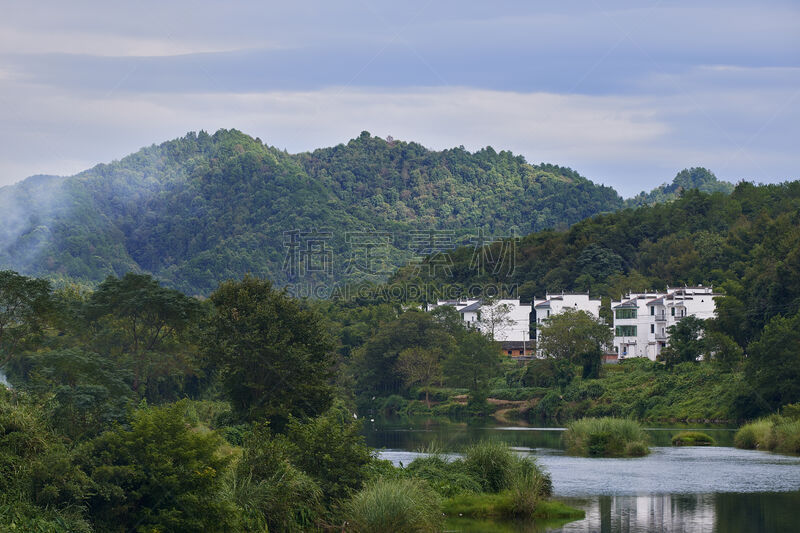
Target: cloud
<point>630,142</point>
<point>626,93</point>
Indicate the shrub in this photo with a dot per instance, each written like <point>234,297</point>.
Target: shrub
<point>753,435</point>
<point>606,437</point>
<point>786,436</point>
<point>446,478</point>
<point>692,438</point>
<point>397,505</point>
<point>394,404</point>
<point>272,494</point>
<point>492,463</point>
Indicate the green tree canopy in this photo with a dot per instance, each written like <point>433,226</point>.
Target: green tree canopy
<point>569,334</point>
<point>158,475</point>
<point>25,304</point>
<point>273,355</point>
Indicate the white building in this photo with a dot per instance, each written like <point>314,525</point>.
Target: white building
<point>509,321</point>
<point>553,304</point>
<point>642,320</point>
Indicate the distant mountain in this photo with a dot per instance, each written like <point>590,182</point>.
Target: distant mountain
<point>694,178</point>
<point>204,208</point>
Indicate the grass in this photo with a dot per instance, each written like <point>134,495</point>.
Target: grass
<point>605,437</point>
<point>692,438</point>
<point>501,505</point>
<point>401,505</point>
<point>775,433</point>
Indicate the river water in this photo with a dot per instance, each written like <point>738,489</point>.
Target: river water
<point>687,489</point>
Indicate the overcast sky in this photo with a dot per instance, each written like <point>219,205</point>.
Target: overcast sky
<point>627,93</point>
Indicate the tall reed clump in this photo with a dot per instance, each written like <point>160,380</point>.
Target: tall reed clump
<point>395,504</point>
<point>775,433</point>
<point>606,437</point>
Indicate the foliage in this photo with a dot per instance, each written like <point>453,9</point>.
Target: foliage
<point>694,178</point>
<point>686,341</point>
<point>331,449</point>
<point>272,493</point>
<point>775,433</point>
<point>143,326</point>
<point>401,505</point>
<point>161,474</point>
<point>420,366</point>
<point>472,365</point>
<point>773,364</point>
<point>274,357</point>
<point>605,437</point>
<point>24,305</point>
<point>570,334</point>
<point>692,438</point>
<point>40,487</point>
<point>205,208</point>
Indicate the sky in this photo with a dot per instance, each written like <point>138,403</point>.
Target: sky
<point>626,93</point>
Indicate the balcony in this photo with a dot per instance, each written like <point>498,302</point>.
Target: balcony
<point>661,317</point>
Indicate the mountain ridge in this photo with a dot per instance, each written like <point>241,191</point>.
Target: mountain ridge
<point>199,209</point>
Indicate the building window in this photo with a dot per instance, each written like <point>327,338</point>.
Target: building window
<point>673,311</point>
<point>626,313</point>
<point>625,331</point>
<point>652,328</point>
<point>652,310</point>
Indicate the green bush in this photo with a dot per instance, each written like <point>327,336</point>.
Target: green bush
<point>446,478</point>
<point>397,505</point>
<point>272,494</point>
<point>394,405</point>
<point>492,463</point>
<point>775,433</point>
<point>753,435</point>
<point>605,437</point>
<point>692,438</point>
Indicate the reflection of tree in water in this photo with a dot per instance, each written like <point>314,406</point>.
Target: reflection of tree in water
<point>763,512</point>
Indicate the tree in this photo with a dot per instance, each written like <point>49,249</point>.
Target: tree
<point>159,475</point>
<point>494,319</point>
<point>331,449</point>
<point>686,341</point>
<point>422,366</point>
<point>41,488</point>
<point>274,356</point>
<point>24,307</point>
<point>475,361</point>
<point>375,364</point>
<point>85,391</point>
<point>271,492</point>
<point>143,324</point>
<point>773,363</point>
<point>572,335</point>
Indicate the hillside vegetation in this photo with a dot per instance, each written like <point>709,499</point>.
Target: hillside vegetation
<point>205,208</point>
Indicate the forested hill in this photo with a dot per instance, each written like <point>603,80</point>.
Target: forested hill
<point>746,244</point>
<point>694,178</point>
<point>204,208</point>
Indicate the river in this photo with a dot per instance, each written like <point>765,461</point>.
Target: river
<point>686,489</point>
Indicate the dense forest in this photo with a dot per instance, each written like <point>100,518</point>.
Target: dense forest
<point>205,208</point>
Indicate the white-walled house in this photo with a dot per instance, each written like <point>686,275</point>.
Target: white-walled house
<point>642,320</point>
<point>553,304</point>
<point>508,320</point>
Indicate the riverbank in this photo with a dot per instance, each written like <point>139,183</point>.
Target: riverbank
<point>634,388</point>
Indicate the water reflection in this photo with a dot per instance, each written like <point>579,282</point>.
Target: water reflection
<point>678,513</point>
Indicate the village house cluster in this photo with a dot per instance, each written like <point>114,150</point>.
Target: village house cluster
<point>641,321</point>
